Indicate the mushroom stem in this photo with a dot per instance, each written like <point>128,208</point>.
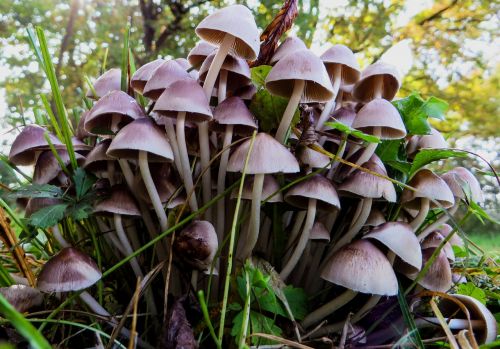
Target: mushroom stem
<point>368,151</point>
<point>213,71</point>
<point>302,243</point>
<point>253,231</point>
<point>439,222</point>
<point>328,308</point>
<point>293,102</point>
<point>221,181</point>
<point>184,160</point>
<point>378,86</point>
<point>152,192</point>
<point>330,105</point>
<point>126,244</point>
<point>221,91</point>
<point>453,324</point>
<point>58,236</point>
<point>299,219</point>
<point>422,213</point>
<point>172,138</point>
<point>366,205</point>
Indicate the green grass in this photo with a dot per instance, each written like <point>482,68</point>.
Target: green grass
<point>489,242</point>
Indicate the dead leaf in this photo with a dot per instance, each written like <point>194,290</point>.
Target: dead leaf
<point>179,333</point>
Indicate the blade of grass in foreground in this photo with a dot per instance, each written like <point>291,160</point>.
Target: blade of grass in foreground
<point>26,329</point>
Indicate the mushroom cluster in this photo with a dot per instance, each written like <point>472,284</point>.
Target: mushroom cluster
<point>335,225</point>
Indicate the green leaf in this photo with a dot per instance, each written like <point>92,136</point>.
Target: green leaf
<point>268,109</point>
<point>393,153</point>
<point>426,156</point>
<point>259,74</point>
<point>262,324</point>
<point>459,251</point>
<point>79,211</point>
<point>435,108</point>
<point>297,299</point>
<point>48,216</point>
<point>37,191</point>
<point>22,325</point>
<point>469,289</point>
<point>480,213</point>
<point>353,132</point>
<point>125,60</point>
<point>83,182</point>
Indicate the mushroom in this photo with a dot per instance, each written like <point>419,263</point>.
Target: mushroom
<point>316,192</point>
<point>359,267</point>
<point>107,82</point>
<point>268,156</point>
<point>438,276</point>
<point>97,161</point>
<point>47,167</point>
<point>434,240</point>
<point>143,74</point>
<point>434,140</point>
<point>22,297</point>
<point>428,187</point>
<point>342,68</point>
<point>301,77</point>
<point>81,134</point>
<point>198,53</point>
<point>378,80</point>
<point>164,75</point>
<point>29,143</point>
<point>184,100</point>
<point>289,45</point>
<point>230,116</point>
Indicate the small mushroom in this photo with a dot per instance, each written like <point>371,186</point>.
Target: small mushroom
<point>164,76</point>
<point>22,297</point>
<point>29,144</point>
<point>107,82</point>
<point>143,74</point>
<point>289,45</point>
<point>197,244</point>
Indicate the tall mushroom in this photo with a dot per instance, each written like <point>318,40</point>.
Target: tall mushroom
<point>268,156</point>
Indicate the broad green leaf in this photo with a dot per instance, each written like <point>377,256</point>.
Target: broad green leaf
<point>37,191</point>
<point>353,132</point>
<point>48,216</point>
<point>435,108</point>
<point>426,156</point>
<point>262,324</point>
<point>268,109</point>
<point>469,289</point>
<point>393,153</point>
<point>83,182</point>
<point>79,211</point>
<point>459,251</point>
<point>259,74</point>
<point>297,299</point>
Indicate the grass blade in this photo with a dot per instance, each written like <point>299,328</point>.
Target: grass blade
<point>410,322</point>
<point>125,60</point>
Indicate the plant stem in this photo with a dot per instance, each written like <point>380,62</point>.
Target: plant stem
<point>328,308</point>
<point>253,232</point>
<point>293,102</point>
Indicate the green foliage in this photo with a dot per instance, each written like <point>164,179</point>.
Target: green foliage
<point>469,289</point>
<point>48,216</point>
<point>427,156</point>
<point>349,131</point>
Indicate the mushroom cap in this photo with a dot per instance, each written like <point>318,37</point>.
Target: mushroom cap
<point>167,73</point>
<point>69,270</point>
<point>233,111</point>
<point>433,240</point>
<point>197,244</point>
<point>114,104</point>
<point>300,65</point>
<point>344,115</point>
<point>22,297</point>
<point>30,141</point>
<point>477,311</point>
<point>36,204</point>
<point>340,54</point>
<point>119,202</point>
<point>462,181</point>
<point>187,96</point>
<point>429,186</point>
<point>267,156</point>
<point>289,45</point>
<point>199,52</point>
<point>319,232</point>
<point>364,89</point>
<point>400,239</point>
<point>165,184</point>
<point>141,135</point>
<point>109,81</point>
<point>80,129</point>
<point>361,267</point>
<point>144,73</point>
<point>97,159</point>
<point>434,140</point>
<point>375,218</point>
<point>80,147</point>
<point>380,113</point>
<point>312,158</point>
<point>366,185</point>
<point>47,167</point>
<point>236,20</point>
<point>438,276</point>
<point>269,187</point>
<point>238,71</point>
<point>315,187</point>
<point>455,240</point>
<point>246,92</point>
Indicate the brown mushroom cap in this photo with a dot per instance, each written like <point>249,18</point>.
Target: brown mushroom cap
<point>267,156</point>
<point>184,96</point>
<point>289,45</point>
<point>80,147</point>
<point>429,186</point>
<point>434,140</point>
<point>47,167</point>
<point>361,267</point>
<point>197,244</point>
<point>69,270</point>
<point>22,297</point>
<point>316,187</point>
<point>269,187</point>
<point>300,65</point>
<point>80,129</point>
<point>400,239</point>
<point>340,54</point>
<point>246,92</point>
<point>166,74</point>
<point>344,115</point>
<point>97,159</point>
<point>319,232</point>
<point>233,111</point>
<point>312,158</point>
<point>107,82</point>
<point>462,181</point>
<point>238,71</point>
<point>114,104</point>
<point>143,74</point>
<point>236,20</point>
<point>28,143</point>
<point>198,53</point>
<point>380,113</point>
<point>119,202</point>
<point>375,218</point>
<point>438,276</point>
<point>364,89</point>
<point>433,240</point>
<point>455,240</point>
<point>141,135</point>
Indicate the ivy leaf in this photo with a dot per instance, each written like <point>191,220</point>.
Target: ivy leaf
<point>297,299</point>
<point>48,216</point>
<point>37,191</point>
<point>426,156</point>
<point>353,132</point>
<point>83,182</point>
<point>393,153</point>
<point>469,289</point>
<point>258,75</point>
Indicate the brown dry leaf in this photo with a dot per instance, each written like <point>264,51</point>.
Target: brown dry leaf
<point>179,333</point>
<point>271,35</point>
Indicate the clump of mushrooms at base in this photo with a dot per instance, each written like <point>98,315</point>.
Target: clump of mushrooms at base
<point>319,202</point>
